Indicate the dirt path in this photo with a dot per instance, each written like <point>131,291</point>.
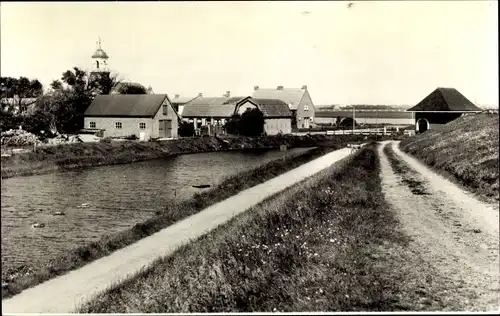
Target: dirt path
<point>66,293</point>
<point>450,229</point>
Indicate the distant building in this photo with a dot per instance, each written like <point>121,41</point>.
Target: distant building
<point>443,105</point>
<point>211,114</point>
<point>179,102</point>
<point>298,100</point>
<point>16,105</point>
<point>143,115</point>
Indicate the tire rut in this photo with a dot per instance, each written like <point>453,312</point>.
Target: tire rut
<point>463,251</point>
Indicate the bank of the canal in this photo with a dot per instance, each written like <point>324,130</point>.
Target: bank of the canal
<point>32,272</point>
<point>80,155</point>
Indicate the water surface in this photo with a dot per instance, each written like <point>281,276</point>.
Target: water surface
<point>118,196</point>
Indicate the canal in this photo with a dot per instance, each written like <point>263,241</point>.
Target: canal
<point>103,200</point>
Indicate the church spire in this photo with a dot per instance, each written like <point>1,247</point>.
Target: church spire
<point>100,58</point>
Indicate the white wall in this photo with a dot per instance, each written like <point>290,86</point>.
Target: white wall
<point>243,107</point>
<point>274,126</point>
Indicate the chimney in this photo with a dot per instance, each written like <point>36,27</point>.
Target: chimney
<point>304,87</point>
<point>176,96</point>
<point>200,95</point>
<point>227,94</point>
<point>255,88</point>
<point>279,88</point>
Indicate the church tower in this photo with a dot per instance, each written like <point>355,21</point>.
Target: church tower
<point>99,60</point>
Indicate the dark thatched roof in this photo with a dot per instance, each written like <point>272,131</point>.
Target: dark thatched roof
<point>290,96</point>
<point>271,108</point>
<point>445,99</point>
<point>126,105</point>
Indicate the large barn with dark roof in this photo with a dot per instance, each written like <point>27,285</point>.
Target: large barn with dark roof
<point>143,115</point>
<point>443,105</point>
<point>277,115</point>
<point>298,100</point>
<point>211,113</point>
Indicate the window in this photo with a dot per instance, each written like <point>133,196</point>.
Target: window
<point>118,124</point>
<point>142,125</point>
<point>306,107</point>
<point>92,124</point>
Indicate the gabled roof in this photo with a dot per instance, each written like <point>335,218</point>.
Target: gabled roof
<point>182,100</point>
<point>208,101</point>
<point>290,96</point>
<point>271,108</point>
<point>445,99</point>
<point>126,105</point>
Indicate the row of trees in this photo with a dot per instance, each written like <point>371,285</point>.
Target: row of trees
<point>61,107</point>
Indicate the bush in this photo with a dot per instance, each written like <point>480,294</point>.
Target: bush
<point>105,140</point>
<point>131,137</point>
<point>250,123</point>
<point>232,124</point>
<point>186,129</point>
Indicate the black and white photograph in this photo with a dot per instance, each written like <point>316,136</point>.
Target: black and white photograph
<point>249,157</point>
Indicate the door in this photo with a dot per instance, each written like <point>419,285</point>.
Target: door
<point>423,125</point>
<point>168,128</point>
<point>161,129</point>
<point>306,122</point>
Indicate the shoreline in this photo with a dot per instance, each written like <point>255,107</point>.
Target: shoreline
<point>76,156</point>
<point>26,276</point>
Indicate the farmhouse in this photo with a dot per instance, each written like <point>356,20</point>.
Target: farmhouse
<point>277,115</point>
<point>208,114</point>
<point>298,100</point>
<point>440,107</point>
<point>179,102</point>
<point>144,115</point>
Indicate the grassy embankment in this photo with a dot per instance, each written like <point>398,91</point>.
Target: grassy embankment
<point>464,150</point>
<point>25,276</point>
<point>329,243</point>
<point>80,155</point>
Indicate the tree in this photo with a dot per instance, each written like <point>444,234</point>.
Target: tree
<point>186,129</point>
<point>232,125</point>
<point>251,123</point>
<point>21,93</point>
<point>72,95</point>
<point>131,88</point>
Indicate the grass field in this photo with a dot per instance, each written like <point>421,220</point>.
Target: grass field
<point>329,243</point>
<point>25,276</point>
<point>464,150</point>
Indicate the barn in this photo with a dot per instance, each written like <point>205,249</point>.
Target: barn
<point>277,115</point>
<point>208,114</point>
<point>443,105</point>
<point>144,115</point>
<point>298,100</point>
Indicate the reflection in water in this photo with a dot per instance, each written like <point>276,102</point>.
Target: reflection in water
<point>118,196</point>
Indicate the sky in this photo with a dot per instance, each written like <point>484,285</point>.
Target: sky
<point>387,52</point>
